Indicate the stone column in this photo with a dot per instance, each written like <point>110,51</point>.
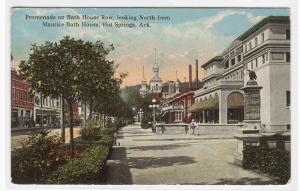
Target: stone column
<point>223,108</point>
<point>252,105</point>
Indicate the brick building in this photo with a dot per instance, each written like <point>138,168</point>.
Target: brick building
<point>21,102</point>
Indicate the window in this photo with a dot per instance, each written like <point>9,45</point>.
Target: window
<point>13,93</point>
<point>262,37</point>
<point>246,48</point>
<point>288,57</point>
<point>288,98</point>
<point>251,65</point>
<point>250,46</point>
<point>267,56</point>
<point>288,35</point>
<point>226,64</point>
<point>232,61</point>
<point>239,58</point>
<point>255,41</point>
<point>263,59</point>
<point>256,62</point>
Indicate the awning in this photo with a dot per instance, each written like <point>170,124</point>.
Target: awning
<point>196,106</point>
<point>211,103</point>
<point>235,100</point>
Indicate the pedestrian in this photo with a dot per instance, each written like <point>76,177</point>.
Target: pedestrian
<point>186,129</point>
<point>193,126</point>
<point>115,138</point>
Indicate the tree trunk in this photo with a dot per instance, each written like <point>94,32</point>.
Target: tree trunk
<point>71,128</point>
<point>84,113</point>
<point>91,109</point>
<point>63,130</point>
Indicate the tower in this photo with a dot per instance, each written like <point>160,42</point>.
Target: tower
<point>177,84</point>
<point>155,82</point>
<point>143,90</point>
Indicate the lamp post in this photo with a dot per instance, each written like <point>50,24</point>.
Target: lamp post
<point>140,115</point>
<point>154,106</point>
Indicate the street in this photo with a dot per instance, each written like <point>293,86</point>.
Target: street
<point>147,158</point>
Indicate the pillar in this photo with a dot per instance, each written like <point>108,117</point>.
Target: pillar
<point>252,105</point>
<point>223,107</point>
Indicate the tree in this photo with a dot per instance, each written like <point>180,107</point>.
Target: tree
<point>73,69</point>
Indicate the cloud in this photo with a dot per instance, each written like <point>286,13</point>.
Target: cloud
<point>212,21</point>
<point>178,44</point>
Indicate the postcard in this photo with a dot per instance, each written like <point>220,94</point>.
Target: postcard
<point>150,96</point>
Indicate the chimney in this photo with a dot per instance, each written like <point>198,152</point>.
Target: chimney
<point>190,75</point>
<point>197,79</point>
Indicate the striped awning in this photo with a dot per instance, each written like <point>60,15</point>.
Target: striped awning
<point>235,100</point>
<point>196,106</point>
<point>211,103</point>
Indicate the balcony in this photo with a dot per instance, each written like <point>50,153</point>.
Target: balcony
<point>220,84</point>
<point>172,107</point>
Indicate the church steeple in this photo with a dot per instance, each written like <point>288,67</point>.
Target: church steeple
<point>155,82</point>
<point>155,67</point>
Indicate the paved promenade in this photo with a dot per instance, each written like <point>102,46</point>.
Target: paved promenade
<point>147,158</point>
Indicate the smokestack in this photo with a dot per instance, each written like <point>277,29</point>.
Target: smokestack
<point>190,75</point>
<point>197,79</point>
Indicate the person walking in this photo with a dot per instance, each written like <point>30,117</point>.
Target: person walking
<point>186,129</point>
<point>193,126</point>
<point>115,138</point>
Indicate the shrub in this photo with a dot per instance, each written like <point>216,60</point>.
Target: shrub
<point>87,169</point>
<point>108,131</point>
<point>273,161</point>
<point>39,155</point>
<point>90,133</point>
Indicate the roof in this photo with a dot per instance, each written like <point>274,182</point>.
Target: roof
<point>270,19</point>
<point>216,58</point>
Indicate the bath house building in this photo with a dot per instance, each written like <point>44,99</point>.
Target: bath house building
<point>264,49</point>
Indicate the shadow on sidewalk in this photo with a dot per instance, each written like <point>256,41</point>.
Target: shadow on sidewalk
<point>159,147</point>
<point>245,181</point>
<point>118,170</point>
<point>156,162</point>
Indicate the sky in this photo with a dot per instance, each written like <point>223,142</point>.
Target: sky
<point>189,34</point>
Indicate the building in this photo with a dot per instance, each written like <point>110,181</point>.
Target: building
<point>265,49</point>
<point>177,98</point>
<point>155,84</point>
<point>144,88</point>
<point>175,109</point>
<point>21,102</point>
<point>47,111</point>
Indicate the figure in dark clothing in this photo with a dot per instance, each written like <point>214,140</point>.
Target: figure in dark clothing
<point>186,129</point>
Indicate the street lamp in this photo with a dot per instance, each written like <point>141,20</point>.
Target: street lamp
<point>154,106</point>
<point>140,115</point>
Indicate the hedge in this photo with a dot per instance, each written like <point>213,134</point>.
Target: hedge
<point>273,161</point>
<point>88,169</point>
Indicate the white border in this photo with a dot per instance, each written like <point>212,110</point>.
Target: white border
<point>5,82</point>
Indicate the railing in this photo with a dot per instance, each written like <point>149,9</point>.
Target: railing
<point>223,82</point>
<point>172,107</point>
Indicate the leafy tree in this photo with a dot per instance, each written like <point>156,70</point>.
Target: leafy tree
<point>73,69</point>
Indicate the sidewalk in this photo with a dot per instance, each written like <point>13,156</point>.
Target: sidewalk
<point>144,157</point>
